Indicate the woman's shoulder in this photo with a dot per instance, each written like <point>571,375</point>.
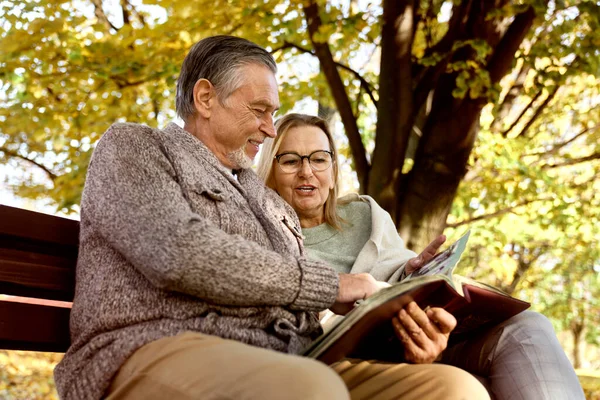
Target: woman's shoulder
<point>353,206</point>
<point>360,201</point>
<point>354,201</point>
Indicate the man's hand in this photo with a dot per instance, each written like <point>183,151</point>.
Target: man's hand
<point>354,287</point>
<point>417,262</point>
<point>423,334</point>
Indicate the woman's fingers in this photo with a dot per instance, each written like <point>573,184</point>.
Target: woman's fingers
<point>424,333</point>
<point>433,247</point>
<point>442,319</point>
<point>416,322</point>
<point>417,262</point>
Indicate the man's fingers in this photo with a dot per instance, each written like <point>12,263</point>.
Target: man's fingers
<point>354,287</point>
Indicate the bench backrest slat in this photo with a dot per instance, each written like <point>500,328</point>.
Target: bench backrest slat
<point>36,275</point>
<point>37,226</point>
<point>33,327</point>
<point>38,255</point>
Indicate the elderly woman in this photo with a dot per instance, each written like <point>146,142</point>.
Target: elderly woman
<point>520,358</point>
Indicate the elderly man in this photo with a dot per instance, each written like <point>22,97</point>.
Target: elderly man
<point>191,278</point>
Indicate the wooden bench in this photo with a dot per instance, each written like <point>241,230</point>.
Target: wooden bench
<point>38,253</point>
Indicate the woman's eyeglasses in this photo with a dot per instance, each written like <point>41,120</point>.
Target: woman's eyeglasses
<point>318,160</point>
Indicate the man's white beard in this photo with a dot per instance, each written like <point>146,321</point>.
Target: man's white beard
<point>239,159</point>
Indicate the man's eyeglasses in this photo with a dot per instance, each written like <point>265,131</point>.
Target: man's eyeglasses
<point>318,160</point>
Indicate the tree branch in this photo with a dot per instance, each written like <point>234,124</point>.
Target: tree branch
<point>425,78</point>
<point>525,261</point>
<point>128,10</point>
<point>512,94</point>
<point>429,16</point>
<point>527,107</point>
<point>338,91</point>
<point>363,82</point>
<point>538,112</point>
<point>102,18</point>
<point>456,25</point>
<point>559,146</point>
<point>495,214</point>
<point>504,52</point>
<point>125,12</point>
<point>53,95</point>
<point>14,154</point>
<point>594,156</point>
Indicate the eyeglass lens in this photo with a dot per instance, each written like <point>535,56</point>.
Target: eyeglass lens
<point>290,162</point>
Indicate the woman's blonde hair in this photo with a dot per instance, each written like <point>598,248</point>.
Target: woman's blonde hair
<point>270,147</point>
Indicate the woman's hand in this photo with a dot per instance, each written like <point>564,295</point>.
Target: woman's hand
<point>424,334</point>
<point>417,262</point>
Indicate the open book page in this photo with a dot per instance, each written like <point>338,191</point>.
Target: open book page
<point>460,281</point>
<point>329,320</point>
<point>444,262</point>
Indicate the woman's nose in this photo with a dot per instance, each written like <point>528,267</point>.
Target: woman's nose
<point>305,169</point>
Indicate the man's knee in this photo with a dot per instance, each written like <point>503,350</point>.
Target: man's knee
<point>455,383</point>
<point>305,378</point>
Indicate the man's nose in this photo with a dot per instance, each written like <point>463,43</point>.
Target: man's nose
<point>268,128</point>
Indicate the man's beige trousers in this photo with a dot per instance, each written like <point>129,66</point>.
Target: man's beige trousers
<point>196,366</point>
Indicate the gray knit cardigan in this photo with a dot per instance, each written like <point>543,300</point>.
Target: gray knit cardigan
<point>170,242</point>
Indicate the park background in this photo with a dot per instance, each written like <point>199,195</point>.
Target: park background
<point>451,114</point>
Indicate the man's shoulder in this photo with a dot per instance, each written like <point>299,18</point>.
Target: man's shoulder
<point>127,133</point>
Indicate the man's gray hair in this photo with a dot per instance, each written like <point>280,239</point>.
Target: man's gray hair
<point>217,59</point>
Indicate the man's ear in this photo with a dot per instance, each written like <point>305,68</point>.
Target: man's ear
<point>204,96</point>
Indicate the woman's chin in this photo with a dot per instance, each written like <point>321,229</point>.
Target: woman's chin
<point>308,206</point>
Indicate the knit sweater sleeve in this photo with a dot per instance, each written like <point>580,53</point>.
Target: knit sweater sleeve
<point>133,200</point>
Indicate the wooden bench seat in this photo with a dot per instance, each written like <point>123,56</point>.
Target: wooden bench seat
<point>38,253</point>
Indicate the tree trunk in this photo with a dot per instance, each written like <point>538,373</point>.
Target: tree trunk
<point>395,113</point>
<point>424,197</point>
<point>440,165</point>
<point>576,330</point>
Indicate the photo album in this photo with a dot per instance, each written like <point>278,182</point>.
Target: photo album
<point>366,332</point>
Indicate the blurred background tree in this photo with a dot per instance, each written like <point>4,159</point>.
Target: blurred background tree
<point>452,114</point>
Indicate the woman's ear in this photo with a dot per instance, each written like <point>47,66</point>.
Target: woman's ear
<point>204,96</point>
